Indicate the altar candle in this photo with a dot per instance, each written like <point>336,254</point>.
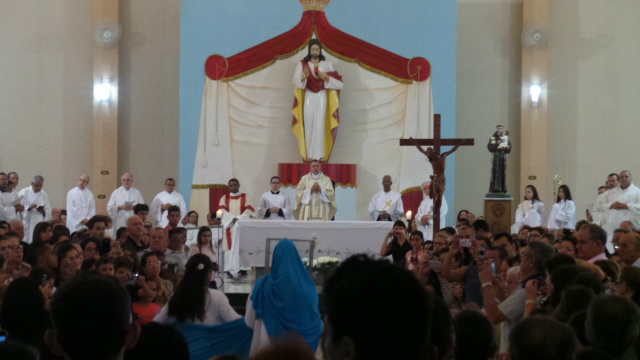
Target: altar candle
<point>219,214</point>
<point>409,215</point>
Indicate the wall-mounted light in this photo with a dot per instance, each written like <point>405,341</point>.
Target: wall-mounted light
<point>103,90</point>
<point>534,91</point>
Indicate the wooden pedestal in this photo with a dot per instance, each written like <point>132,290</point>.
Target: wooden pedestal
<point>497,213</point>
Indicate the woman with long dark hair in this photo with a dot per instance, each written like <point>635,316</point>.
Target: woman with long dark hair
<point>531,211</point>
<point>563,213</point>
<point>193,301</point>
<point>284,302</point>
<point>204,244</point>
<point>42,232</point>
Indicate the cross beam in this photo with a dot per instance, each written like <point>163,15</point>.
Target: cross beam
<point>437,141</point>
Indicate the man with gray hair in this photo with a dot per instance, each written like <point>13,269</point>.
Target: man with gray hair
<point>36,206</point>
<point>122,202</point>
<point>623,204</point>
<point>386,205</point>
<point>80,205</point>
<point>424,215</point>
<point>511,310</point>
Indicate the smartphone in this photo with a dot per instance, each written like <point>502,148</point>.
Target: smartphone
<point>466,243</point>
<point>435,264</point>
<point>482,252</point>
<point>3,336</point>
<point>493,268</point>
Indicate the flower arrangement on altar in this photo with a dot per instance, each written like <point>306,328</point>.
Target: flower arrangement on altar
<point>324,264</point>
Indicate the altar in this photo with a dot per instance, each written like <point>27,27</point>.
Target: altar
<point>337,239</point>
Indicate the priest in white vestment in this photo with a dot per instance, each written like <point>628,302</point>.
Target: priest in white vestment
<point>234,207</point>
<point>81,205</point>
<point>275,205</point>
<point>36,206</point>
<point>624,205</point>
<point>122,201</point>
<point>315,196</point>
<point>164,200</point>
<point>601,205</point>
<point>424,215</point>
<point>386,205</point>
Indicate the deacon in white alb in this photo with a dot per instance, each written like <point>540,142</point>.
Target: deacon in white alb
<point>424,215</point>
<point>36,206</point>
<point>165,200</point>
<point>386,205</point>
<point>624,205</point>
<point>122,201</point>
<point>80,205</point>
<point>275,205</point>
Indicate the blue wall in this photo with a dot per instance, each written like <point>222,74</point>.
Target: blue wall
<point>409,28</point>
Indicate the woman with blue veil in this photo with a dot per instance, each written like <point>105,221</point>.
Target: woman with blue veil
<point>284,303</point>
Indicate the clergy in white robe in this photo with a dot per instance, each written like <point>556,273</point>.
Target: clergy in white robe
<point>602,203</point>
<point>624,206</point>
<point>424,216</point>
<point>164,200</point>
<point>36,206</point>
<point>315,75</point>
<point>563,212</point>
<point>81,205</point>
<point>386,205</point>
<point>275,205</point>
<point>122,201</point>
<point>234,207</point>
<point>315,196</point>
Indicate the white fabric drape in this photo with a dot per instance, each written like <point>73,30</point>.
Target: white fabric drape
<point>245,130</point>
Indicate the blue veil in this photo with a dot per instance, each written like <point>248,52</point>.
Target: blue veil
<point>286,299</point>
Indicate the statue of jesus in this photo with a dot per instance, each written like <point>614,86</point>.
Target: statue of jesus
<point>315,110</point>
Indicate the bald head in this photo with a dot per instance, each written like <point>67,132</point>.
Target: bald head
<point>83,181</point>
<point>425,187</point>
<point>134,227</point>
<point>625,179</point>
<point>386,183</point>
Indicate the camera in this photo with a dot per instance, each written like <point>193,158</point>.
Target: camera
<point>482,252</point>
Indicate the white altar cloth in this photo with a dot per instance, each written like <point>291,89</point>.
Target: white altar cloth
<point>338,239</point>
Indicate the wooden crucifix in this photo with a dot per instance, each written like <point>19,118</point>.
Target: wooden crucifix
<point>438,162</point>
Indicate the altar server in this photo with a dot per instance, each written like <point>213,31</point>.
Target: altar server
<point>530,212</point>
<point>273,204</point>
<point>563,213</point>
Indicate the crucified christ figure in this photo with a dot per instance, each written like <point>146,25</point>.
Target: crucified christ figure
<point>436,190</point>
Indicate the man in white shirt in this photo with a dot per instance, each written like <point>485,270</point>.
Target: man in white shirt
<point>424,215</point>
<point>273,204</point>
<point>590,243</point>
<point>36,206</point>
<point>623,204</point>
<point>386,205</point>
<point>122,201</point>
<point>628,249</point>
<point>164,200</point>
<point>80,205</point>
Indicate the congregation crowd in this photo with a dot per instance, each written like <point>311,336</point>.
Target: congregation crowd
<point>80,285</point>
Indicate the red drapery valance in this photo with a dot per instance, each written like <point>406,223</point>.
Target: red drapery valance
<point>334,41</point>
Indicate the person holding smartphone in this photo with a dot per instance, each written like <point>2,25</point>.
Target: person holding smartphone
<point>396,244</point>
<point>416,259</point>
<point>466,274</point>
